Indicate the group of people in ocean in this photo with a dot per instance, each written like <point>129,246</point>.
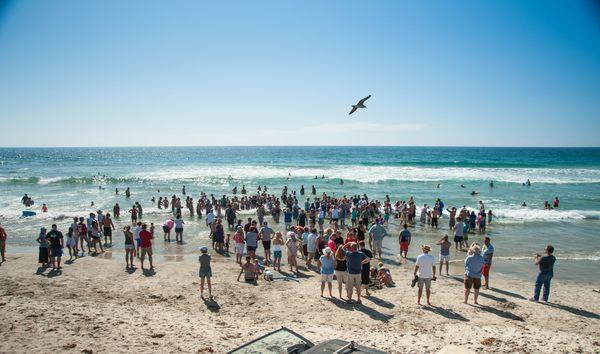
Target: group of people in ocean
<point>317,233</point>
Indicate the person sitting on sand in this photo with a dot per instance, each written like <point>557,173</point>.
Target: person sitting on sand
<point>248,270</point>
<point>384,277</point>
<point>205,272</point>
<point>473,269</point>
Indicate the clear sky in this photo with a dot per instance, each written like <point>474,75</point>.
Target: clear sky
<point>121,73</point>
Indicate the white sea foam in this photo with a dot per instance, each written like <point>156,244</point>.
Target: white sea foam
<point>372,174</point>
<point>526,214</point>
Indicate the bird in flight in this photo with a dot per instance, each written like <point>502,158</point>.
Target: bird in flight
<point>360,104</point>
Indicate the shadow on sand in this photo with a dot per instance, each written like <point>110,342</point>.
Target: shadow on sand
<point>573,310</point>
<point>369,311</point>
<point>447,313</point>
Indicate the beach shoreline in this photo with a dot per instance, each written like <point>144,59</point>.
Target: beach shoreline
<point>95,304</point>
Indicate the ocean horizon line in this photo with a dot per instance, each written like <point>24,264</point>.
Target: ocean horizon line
<point>301,146</point>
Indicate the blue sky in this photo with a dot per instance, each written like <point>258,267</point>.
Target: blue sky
<point>121,73</point>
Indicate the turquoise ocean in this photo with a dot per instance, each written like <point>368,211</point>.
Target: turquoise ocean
<point>68,180</point>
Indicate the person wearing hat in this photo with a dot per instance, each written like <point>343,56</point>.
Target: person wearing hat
<point>326,270</point>
<point>205,272</point>
<point>425,271</point>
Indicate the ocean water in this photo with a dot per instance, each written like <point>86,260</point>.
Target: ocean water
<point>68,180</point>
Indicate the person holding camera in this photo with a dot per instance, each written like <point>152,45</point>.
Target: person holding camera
<point>546,265</point>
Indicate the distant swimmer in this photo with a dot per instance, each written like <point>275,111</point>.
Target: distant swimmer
<point>116,191</point>
<point>528,183</point>
<point>44,208</point>
<point>341,182</point>
<point>474,193</point>
<point>183,190</point>
<point>547,205</point>
<point>92,203</point>
<point>523,204</point>
<point>127,193</point>
<point>462,186</point>
<point>491,184</point>
<point>323,177</point>
<point>360,104</point>
<point>316,177</point>
<point>439,185</point>
<point>555,202</point>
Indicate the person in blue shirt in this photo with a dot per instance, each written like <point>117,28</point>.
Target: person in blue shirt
<point>354,262</point>
<point>287,218</point>
<point>546,265</point>
<point>473,269</point>
<point>326,270</point>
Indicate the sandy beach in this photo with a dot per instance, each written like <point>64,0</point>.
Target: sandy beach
<point>95,305</point>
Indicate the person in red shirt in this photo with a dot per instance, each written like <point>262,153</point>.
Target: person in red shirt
<point>146,245</point>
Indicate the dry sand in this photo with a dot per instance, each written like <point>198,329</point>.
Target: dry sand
<point>96,306</point>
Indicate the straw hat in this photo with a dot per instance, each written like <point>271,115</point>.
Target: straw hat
<point>426,248</point>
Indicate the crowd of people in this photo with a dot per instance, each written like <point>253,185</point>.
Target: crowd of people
<point>338,238</point>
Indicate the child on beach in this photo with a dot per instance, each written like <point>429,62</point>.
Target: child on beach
<point>205,271</point>
<point>248,271</point>
<point>239,240</point>
<point>71,244</point>
<point>257,269</point>
<point>384,277</point>
<point>277,245</point>
<point>129,246</point>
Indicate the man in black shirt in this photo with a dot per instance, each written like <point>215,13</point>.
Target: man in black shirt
<point>546,264</point>
<point>56,246</point>
<point>366,268</point>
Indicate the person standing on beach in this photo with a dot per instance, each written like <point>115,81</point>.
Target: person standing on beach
<point>178,228</point>
<point>444,252</point>
<point>458,233</point>
<point>354,262</point>
<point>239,240</point>
<point>266,233</point>
<point>146,246</point>
<point>425,271</point>
<point>544,277</point>
<point>205,272</point>
<point>365,273</point>
<point>277,249</point>
<point>473,269</point>
<point>56,246</point>
<point>252,241</point>
<point>404,239</point>
<point>488,254</point>
<point>136,237</point>
<point>376,234</point>
<point>3,238</point>
<point>129,246</point>
<point>82,230</point>
<point>42,240</point>
<point>326,261</point>
<point>292,246</point>
<point>108,226</point>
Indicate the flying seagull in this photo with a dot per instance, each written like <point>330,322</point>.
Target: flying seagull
<point>360,104</point>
